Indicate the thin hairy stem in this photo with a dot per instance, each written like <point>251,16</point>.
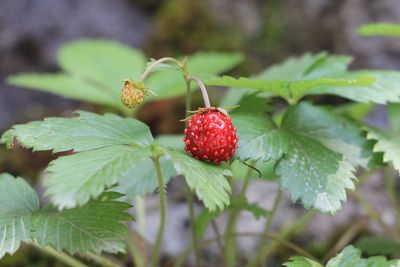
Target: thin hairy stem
<point>150,68</point>
<point>61,256</point>
<point>202,88</point>
<point>101,260</point>
<point>163,214</point>
<point>189,197</point>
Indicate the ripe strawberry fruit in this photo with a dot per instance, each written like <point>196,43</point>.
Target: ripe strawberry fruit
<point>211,136</point>
<point>132,94</point>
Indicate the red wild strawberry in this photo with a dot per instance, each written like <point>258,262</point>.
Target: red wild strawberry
<point>211,136</point>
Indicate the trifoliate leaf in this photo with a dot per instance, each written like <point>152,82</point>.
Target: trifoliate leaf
<point>380,29</point>
<point>143,178</point>
<point>206,179</point>
<point>299,261</point>
<point>104,62</point>
<point>86,132</point>
<point>94,227</point>
<point>388,143</point>
<point>335,132</point>
<point>169,83</point>
<point>315,174</point>
<point>18,201</point>
<point>72,180</point>
<point>258,137</point>
<point>67,86</point>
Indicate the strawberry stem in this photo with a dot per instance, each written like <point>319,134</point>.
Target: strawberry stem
<point>150,68</point>
<point>203,90</point>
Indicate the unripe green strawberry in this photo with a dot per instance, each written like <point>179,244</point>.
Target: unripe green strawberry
<point>132,94</point>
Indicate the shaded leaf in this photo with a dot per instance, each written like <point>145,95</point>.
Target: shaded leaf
<point>378,245</point>
<point>86,132</point>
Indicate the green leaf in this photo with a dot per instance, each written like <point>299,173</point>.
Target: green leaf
<point>311,169</point>
<point>18,201</point>
<point>203,219</point>
<point>143,178</point>
<point>307,66</point>
<point>255,209</point>
<point>175,141</point>
<point>102,61</point>
<point>315,174</point>
<point>333,131</point>
<point>388,143</point>
<point>72,180</point>
<point>292,91</point>
<point>394,117</point>
<point>170,83</point>
<point>379,29</point>
<point>206,179</point>
<point>351,257</point>
<point>94,227</point>
<point>299,261</point>
<point>68,86</point>
<point>378,245</point>
<point>86,132</point>
<point>258,137</point>
<point>384,89</point>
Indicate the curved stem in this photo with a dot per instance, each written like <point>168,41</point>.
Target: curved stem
<point>182,256</point>
<point>61,256</point>
<point>202,88</point>
<point>229,239</point>
<point>163,212</point>
<point>150,68</point>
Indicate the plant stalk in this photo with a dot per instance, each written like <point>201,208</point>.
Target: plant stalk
<point>103,261</point>
<point>150,68</point>
<point>203,90</point>
<point>259,256</point>
<point>229,237</point>
<point>163,214</point>
<point>61,256</point>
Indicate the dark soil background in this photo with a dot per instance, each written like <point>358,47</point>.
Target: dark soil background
<point>267,32</point>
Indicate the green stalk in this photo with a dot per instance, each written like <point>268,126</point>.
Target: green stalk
<point>229,237</point>
<point>61,256</point>
<point>163,214</point>
<point>137,257</point>
<point>103,261</point>
<point>389,176</point>
<point>189,194</point>
<point>258,259</point>
<point>284,234</point>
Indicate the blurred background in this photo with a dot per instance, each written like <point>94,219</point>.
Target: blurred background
<point>31,31</point>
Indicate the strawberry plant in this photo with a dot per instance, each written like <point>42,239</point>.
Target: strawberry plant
<point>108,162</point>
